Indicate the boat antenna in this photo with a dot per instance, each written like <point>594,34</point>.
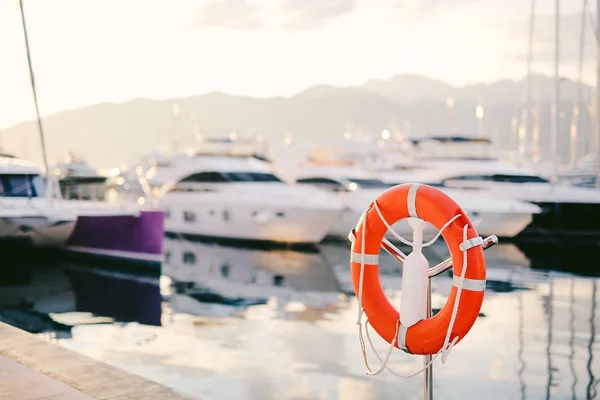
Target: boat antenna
<point>35,100</point>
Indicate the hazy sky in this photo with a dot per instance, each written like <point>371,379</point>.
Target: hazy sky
<point>90,51</point>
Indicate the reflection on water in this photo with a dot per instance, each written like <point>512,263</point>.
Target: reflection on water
<point>122,296</point>
<point>224,322</point>
<point>48,294</point>
<point>202,273</point>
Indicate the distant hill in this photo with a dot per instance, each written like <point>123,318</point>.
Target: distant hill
<point>410,88</point>
<point>110,134</point>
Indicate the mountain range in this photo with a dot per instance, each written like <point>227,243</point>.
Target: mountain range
<point>109,134</point>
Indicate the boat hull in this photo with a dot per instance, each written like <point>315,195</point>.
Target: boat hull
<point>42,231</point>
<point>130,237</point>
<point>251,222</point>
<point>503,225</point>
<point>564,220</point>
<point>51,235</point>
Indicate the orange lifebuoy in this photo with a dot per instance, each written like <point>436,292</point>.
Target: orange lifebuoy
<point>434,206</point>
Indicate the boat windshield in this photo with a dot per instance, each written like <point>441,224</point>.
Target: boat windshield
<point>21,185</point>
<point>250,177</point>
<point>505,178</point>
<point>222,177</point>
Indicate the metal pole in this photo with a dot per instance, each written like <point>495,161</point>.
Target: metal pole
<point>578,105</point>
<point>597,33</point>
<point>35,100</point>
<point>527,112</point>
<point>535,129</point>
<point>428,374</point>
<point>556,108</point>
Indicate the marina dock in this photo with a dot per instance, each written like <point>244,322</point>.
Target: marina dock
<point>31,369</point>
<point>196,203</point>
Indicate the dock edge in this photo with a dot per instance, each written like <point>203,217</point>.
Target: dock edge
<point>92,377</point>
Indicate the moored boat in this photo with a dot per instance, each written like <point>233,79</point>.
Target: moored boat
<point>232,196</point>
<point>32,209</point>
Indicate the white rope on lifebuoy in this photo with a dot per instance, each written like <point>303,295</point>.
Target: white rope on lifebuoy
<point>448,344</point>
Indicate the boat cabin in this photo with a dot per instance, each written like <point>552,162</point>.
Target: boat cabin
<point>20,178</point>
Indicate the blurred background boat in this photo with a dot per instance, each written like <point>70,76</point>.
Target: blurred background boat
<point>78,180</point>
<point>231,194</point>
<point>357,182</point>
<point>512,200</point>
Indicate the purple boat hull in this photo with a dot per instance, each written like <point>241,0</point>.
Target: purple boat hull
<point>136,238</point>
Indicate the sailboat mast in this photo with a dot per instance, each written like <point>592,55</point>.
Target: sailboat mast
<point>578,105</point>
<point>556,105</point>
<point>35,100</point>
<point>527,112</point>
<point>597,33</point>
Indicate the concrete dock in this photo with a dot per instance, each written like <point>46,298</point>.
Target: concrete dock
<point>31,369</point>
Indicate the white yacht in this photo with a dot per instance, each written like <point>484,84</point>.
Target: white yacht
<point>78,180</point>
<point>358,188</point>
<point>24,206</point>
<point>234,196</point>
<point>582,174</point>
<point>32,209</point>
<point>566,209</point>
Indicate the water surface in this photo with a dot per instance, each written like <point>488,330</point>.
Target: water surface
<point>224,322</point>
